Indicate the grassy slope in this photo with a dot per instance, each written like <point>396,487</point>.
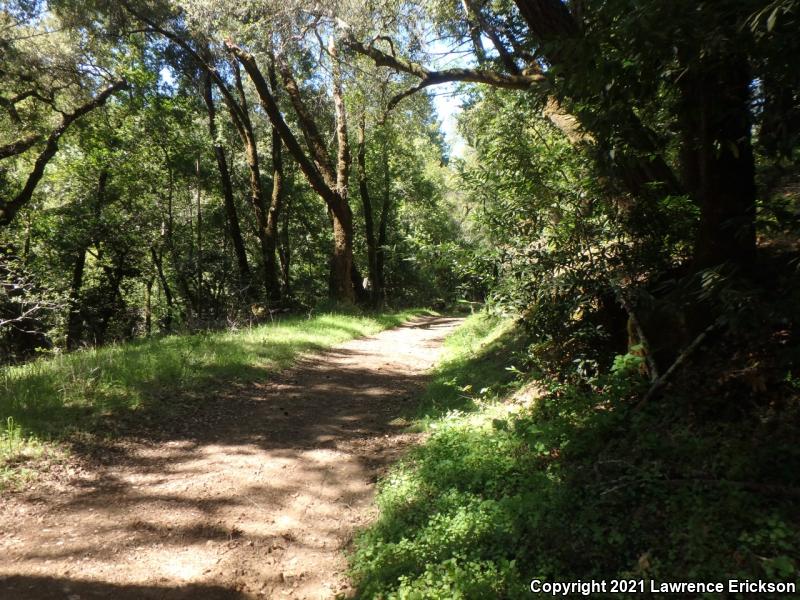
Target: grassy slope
<point>97,389</point>
<point>574,486</point>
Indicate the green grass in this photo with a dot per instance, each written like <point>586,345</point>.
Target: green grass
<point>94,389</point>
<point>574,485</point>
<point>477,367</point>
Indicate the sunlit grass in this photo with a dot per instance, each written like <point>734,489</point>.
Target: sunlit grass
<point>52,398</point>
<point>475,368</point>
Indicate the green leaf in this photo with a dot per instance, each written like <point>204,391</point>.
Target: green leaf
<point>772,18</point>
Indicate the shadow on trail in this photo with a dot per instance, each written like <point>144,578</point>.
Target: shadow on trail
<point>56,588</point>
<point>178,484</point>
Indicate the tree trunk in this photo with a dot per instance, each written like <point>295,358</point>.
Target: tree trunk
<point>148,306</point>
<point>273,218</point>
<point>369,223</point>
<point>166,323</point>
<point>380,253</point>
<point>285,253</point>
<point>717,107</point>
<point>234,230</point>
<point>74,321</point>
<point>199,255</point>
<point>341,286</point>
<point>718,165</point>
<point>331,187</point>
<point>257,194</point>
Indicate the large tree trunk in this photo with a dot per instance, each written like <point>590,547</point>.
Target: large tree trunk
<point>720,167</point>
<point>234,230</point>
<point>341,285</point>
<point>330,186</point>
<point>342,261</point>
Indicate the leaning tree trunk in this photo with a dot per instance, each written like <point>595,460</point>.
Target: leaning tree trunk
<point>257,193</point>
<point>275,206</point>
<point>329,185</point>
<point>234,229</point>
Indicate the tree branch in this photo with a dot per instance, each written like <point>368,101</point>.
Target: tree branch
<point>20,146</point>
<point>428,78</point>
<point>659,383</point>
<point>343,151</point>
<point>210,69</point>
<point>308,126</point>
<point>505,56</point>
<point>9,209</point>
<point>312,173</point>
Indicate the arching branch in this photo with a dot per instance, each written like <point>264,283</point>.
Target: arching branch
<point>9,209</point>
<point>428,78</point>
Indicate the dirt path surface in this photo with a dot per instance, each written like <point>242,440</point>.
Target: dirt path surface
<point>255,496</point>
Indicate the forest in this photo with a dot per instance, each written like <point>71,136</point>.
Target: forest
<point>387,299</point>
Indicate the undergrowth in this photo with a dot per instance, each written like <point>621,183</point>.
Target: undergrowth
<point>94,390</point>
<point>568,481</point>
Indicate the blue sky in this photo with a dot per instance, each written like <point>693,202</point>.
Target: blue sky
<point>445,97</point>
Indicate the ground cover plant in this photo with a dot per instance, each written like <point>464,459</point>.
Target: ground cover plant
<point>567,481</point>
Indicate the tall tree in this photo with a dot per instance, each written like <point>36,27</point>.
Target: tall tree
<point>234,229</point>
<point>330,183</point>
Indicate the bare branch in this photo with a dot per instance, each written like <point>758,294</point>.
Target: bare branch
<point>428,78</point>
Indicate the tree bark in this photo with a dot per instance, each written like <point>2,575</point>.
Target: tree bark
<point>276,202</point>
<point>369,222</point>
<point>716,152</point>
<point>343,262</point>
<point>244,126</point>
<point>341,284</point>
<point>285,252</point>
<point>380,252</point>
<point>166,323</point>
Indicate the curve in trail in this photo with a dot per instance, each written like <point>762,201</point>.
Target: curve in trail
<point>256,497</point>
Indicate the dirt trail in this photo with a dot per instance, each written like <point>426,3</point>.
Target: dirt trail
<point>256,497</point>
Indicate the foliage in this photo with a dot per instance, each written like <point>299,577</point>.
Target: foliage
<point>572,483</point>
